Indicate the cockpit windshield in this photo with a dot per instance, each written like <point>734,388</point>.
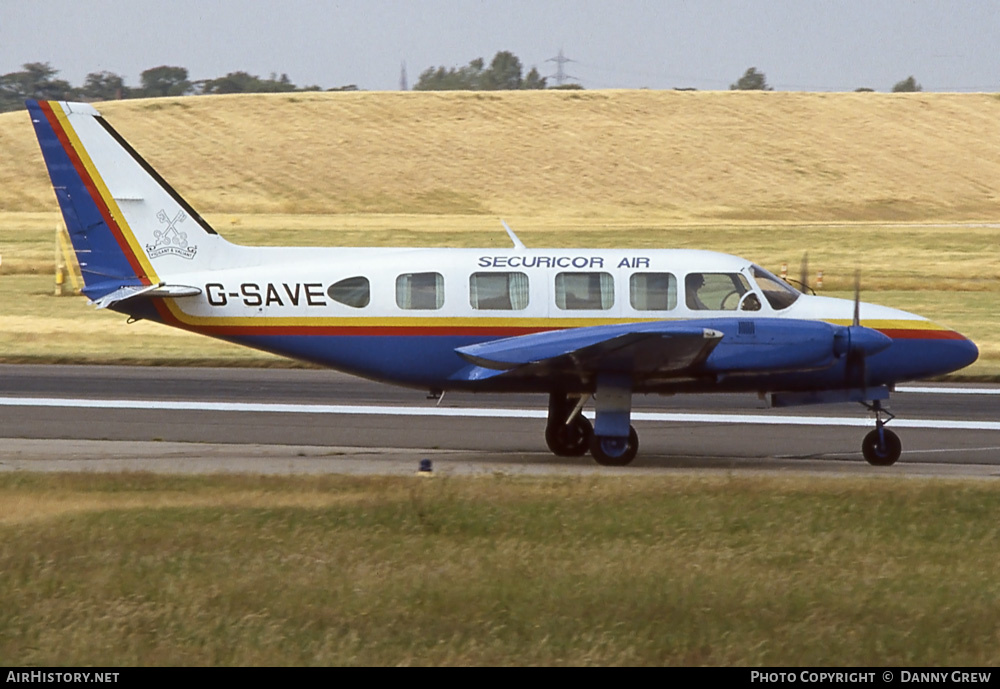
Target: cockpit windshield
<point>779,294</point>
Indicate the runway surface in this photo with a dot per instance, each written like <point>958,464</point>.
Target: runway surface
<point>105,418</point>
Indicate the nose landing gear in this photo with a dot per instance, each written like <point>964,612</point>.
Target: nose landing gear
<point>881,447</point>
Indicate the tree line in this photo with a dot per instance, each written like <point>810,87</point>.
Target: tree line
<point>39,80</point>
<point>505,72</point>
<point>755,80</point>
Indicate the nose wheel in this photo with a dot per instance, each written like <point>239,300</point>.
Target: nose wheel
<point>881,447</point>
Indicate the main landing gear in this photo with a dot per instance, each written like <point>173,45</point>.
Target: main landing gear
<point>568,432</point>
<point>881,447</point>
<point>613,442</point>
<point>615,451</point>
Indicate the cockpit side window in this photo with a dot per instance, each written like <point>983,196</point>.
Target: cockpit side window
<point>779,294</point>
<point>715,291</point>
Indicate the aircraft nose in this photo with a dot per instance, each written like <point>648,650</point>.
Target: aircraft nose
<point>952,352</point>
<point>924,352</point>
<point>967,353</point>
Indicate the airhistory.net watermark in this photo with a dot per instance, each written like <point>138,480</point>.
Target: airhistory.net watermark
<point>45,676</point>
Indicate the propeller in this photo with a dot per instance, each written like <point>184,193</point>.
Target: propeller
<point>857,298</point>
<point>803,282</point>
<point>856,372</point>
<point>858,342</point>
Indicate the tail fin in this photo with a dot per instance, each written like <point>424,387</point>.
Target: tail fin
<point>121,215</point>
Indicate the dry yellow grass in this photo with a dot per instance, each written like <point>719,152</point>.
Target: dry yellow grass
<point>680,156</point>
<point>905,187</point>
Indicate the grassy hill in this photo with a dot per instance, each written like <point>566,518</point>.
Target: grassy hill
<point>904,187</point>
<point>681,156</point>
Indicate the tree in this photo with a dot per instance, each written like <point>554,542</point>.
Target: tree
<point>34,81</point>
<point>907,85</point>
<point>504,73</point>
<point>103,86</point>
<point>534,80</point>
<point>752,80</point>
<point>468,78</point>
<point>165,81</point>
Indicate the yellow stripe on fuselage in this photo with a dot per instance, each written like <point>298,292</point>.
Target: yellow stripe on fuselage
<point>470,322</point>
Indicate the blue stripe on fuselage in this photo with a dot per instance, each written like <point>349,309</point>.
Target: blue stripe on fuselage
<point>98,251</point>
<point>430,361</point>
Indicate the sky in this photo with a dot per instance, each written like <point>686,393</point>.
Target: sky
<point>800,45</point>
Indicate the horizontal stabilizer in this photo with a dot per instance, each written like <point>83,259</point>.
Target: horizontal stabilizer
<point>146,291</point>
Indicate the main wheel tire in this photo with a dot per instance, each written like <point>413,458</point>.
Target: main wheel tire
<point>883,456</point>
<point>615,452</point>
<point>569,440</point>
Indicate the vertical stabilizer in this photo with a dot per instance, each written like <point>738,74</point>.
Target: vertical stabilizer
<point>128,226</point>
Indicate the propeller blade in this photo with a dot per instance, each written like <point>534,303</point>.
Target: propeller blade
<point>857,298</point>
<point>804,273</point>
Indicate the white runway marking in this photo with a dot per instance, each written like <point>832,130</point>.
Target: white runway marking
<point>374,410</point>
<point>949,391</point>
<point>953,449</point>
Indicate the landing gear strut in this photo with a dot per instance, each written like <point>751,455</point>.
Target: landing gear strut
<point>881,447</point>
<point>615,442</point>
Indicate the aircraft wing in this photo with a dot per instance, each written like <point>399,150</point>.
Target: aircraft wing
<point>631,348</point>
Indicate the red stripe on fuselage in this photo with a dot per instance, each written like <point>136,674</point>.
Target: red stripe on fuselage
<point>88,182</point>
<point>897,334</point>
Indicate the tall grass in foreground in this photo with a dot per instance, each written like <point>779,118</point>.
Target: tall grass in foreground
<point>151,570</point>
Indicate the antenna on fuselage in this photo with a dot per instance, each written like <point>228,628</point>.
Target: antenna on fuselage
<point>518,244</point>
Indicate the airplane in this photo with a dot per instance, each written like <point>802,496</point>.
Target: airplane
<point>574,324</point>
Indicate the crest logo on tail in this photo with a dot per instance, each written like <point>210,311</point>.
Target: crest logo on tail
<point>171,240</point>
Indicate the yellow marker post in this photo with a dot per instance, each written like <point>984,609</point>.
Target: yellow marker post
<point>66,265</point>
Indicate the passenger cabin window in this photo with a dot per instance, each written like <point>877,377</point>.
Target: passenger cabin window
<point>498,291</point>
<point>354,292</point>
<point>718,292</point>
<point>779,294</point>
<point>585,291</point>
<point>420,291</point>
<point>653,291</point>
